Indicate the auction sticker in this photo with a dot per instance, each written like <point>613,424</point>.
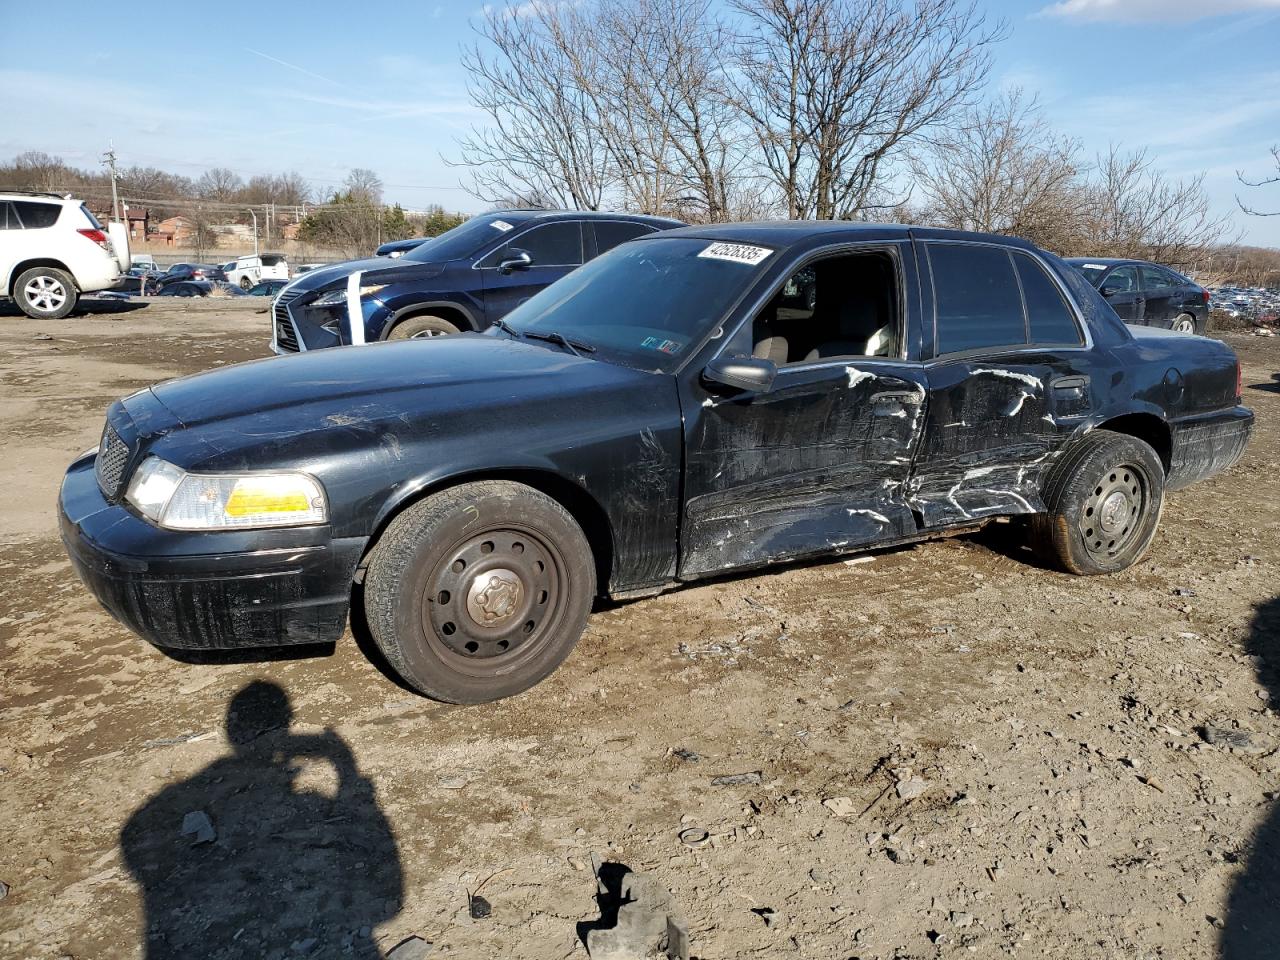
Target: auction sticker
<point>736,252</point>
<point>502,225</point>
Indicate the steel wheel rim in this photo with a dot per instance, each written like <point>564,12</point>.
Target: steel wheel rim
<point>423,334</point>
<point>45,293</point>
<point>1113,511</point>
<point>494,600</point>
<point>1184,326</point>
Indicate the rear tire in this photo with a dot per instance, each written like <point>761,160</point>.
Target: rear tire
<point>45,293</point>
<point>427,325</point>
<point>246,284</point>
<point>1185,323</point>
<point>1104,497</point>
<point>480,591</point>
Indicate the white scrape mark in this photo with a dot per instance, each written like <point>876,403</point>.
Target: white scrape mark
<point>708,402</point>
<point>1017,404</point>
<point>1010,375</point>
<point>870,513</point>
<point>856,376</point>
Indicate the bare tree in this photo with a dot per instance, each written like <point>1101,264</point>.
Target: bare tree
<point>834,90</point>
<point>1132,210</point>
<point>219,184</point>
<point>1264,182</point>
<point>36,170</point>
<point>364,186</point>
<point>1003,170</point>
<point>536,86</point>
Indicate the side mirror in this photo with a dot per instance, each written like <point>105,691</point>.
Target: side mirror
<point>742,373</point>
<point>515,260</point>
<point>1109,291</point>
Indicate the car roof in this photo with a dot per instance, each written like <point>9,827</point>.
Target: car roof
<point>789,233</point>
<point>42,194</point>
<point>594,215</point>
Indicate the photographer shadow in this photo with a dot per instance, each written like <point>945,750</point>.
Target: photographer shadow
<point>278,849</point>
<point>1252,927</point>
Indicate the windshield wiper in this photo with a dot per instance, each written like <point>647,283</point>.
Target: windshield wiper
<point>573,346</point>
<point>503,325</point>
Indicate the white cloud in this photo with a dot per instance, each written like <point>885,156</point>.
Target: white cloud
<point>1152,10</point>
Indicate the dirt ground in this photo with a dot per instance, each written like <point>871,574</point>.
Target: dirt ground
<point>1054,729</point>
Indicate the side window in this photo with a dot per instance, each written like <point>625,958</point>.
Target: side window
<point>7,220</point>
<point>844,306</point>
<point>1121,280</point>
<point>35,216</point>
<point>1153,278</point>
<point>553,244</point>
<point>1048,315</point>
<point>977,299</point>
<point>610,233</point>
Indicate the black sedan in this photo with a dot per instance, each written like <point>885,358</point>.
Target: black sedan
<point>1147,293</point>
<point>183,272</point>
<point>200,288</point>
<point>704,400</point>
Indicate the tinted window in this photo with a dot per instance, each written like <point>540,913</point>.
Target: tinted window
<point>88,215</point>
<point>1091,271</point>
<point>978,304</point>
<point>1153,278</point>
<point>552,244</point>
<point>1121,280</point>
<point>610,233</point>
<point>467,239</point>
<point>7,220</point>
<point>272,259</point>
<point>36,215</point>
<point>1048,314</point>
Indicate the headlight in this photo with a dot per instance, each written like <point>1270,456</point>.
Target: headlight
<point>337,297</point>
<point>170,497</point>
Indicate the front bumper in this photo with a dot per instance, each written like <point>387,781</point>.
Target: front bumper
<point>222,590</point>
<point>1207,444</point>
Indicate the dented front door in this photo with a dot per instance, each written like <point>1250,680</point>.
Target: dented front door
<point>816,465</point>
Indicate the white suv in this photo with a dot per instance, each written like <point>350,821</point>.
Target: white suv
<point>52,249</point>
<point>248,271</point>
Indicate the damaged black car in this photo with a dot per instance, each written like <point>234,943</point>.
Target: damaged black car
<point>705,400</point>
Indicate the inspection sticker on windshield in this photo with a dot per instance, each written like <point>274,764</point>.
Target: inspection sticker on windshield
<point>737,252</point>
<point>502,225</point>
<point>1094,266</point>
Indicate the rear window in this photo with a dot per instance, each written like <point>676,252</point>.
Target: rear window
<point>977,300</point>
<point>35,215</point>
<point>272,259</point>
<point>1049,317</point>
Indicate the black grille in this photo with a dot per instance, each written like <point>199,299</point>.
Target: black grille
<point>286,333</point>
<point>113,454</point>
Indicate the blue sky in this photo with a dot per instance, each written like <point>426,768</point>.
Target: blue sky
<point>323,87</point>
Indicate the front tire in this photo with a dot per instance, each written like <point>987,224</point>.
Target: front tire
<point>1104,498</point>
<point>45,293</point>
<point>480,591</point>
<point>427,325</point>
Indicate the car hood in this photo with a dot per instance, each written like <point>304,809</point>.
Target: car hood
<point>377,269</point>
<point>285,396</point>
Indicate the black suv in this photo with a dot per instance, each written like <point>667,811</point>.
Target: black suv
<point>464,279</point>
<point>1147,293</point>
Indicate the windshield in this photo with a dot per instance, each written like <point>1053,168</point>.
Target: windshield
<point>645,304</point>
<point>1091,271</point>
<point>467,238</point>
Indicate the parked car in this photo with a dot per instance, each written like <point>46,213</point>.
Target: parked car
<point>464,279</point>
<point>200,288</point>
<point>398,248</point>
<point>53,249</point>
<point>137,280</point>
<point>267,288</point>
<point>144,261</point>
<point>1147,293</point>
<point>180,272</point>
<point>703,400</point>
<point>246,271</point>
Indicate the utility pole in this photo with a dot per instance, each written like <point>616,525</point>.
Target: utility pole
<point>253,213</point>
<point>109,160</point>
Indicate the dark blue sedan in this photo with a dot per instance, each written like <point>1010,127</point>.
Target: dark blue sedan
<point>464,279</point>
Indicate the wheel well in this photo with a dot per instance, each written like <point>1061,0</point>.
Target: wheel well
<point>583,507</point>
<point>455,316</point>
<point>1148,428</point>
<point>35,262</point>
